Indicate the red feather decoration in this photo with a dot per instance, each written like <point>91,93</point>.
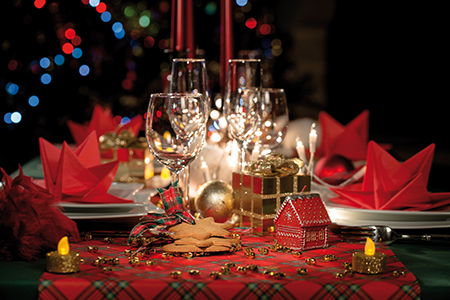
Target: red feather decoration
<point>30,223</point>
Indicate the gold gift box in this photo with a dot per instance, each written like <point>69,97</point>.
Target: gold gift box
<point>135,159</point>
<point>257,198</point>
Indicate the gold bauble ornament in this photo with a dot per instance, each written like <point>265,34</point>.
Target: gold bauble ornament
<point>215,199</point>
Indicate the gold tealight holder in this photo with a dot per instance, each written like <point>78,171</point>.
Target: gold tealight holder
<point>63,261</point>
<point>369,261</point>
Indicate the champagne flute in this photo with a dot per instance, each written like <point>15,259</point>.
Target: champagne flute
<point>274,122</point>
<point>189,76</point>
<point>175,129</point>
<point>242,102</point>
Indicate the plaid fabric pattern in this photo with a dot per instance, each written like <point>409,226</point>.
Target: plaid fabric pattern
<point>174,208</point>
<point>155,282</point>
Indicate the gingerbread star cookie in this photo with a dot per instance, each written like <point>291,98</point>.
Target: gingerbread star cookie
<point>204,236</point>
<point>201,230</point>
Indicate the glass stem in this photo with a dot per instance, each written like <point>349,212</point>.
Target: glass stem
<point>186,189</point>
<point>174,177</point>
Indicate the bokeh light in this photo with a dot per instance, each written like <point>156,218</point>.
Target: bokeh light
<point>106,16</point>
<point>120,34</point>
<point>251,23</point>
<point>125,120</point>
<point>67,48</point>
<point>84,70</point>
<point>34,66</point>
<point>33,101</point>
<point>76,41</point>
<point>44,62</point>
<point>94,3</point>
<point>7,118</point>
<point>46,78</point>
<point>241,2</point>
<point>39,3</point>
<point>210,8</point>
<point>144,21</point>
<point>12,88</point>
<point>70,33</point>
<point>265,29</point>
<point>129,11</point>
<point>59,59</point>
<point>77,53</point>
<point>149,42</point>
<point>117,27</point>
<point>13,64</point>
<point>16,117</point>
<point>101,7</point>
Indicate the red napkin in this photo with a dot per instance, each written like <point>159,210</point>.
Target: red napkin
<point>102,122</point>
<point>391,185</point>
<point>349,141</point>
<point>78,176</point>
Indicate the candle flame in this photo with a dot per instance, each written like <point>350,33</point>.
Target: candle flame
<point>369,248</point>
<point>63,246</point>
<point>165,173</point>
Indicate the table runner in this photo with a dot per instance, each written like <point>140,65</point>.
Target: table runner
<point>155,282</point>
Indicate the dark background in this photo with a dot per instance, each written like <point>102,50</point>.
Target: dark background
<point>388,57</point>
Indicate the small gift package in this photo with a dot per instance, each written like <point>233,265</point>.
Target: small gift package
<point>261,189</point>
<point>118,142</point>
<point>135,159</point>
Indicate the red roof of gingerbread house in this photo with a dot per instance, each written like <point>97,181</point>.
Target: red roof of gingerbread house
<point>309,210</point>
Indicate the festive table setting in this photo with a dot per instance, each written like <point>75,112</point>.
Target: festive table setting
<point>201,201</point>
<point>274,229</point>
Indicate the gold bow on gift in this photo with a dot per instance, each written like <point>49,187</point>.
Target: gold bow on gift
<point>274,164</point>
<point>123,139</point>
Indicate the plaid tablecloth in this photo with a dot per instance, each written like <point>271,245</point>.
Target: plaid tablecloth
<point>155,282</point>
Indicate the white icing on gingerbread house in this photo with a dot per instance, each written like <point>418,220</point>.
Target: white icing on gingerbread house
<point>302,223</point>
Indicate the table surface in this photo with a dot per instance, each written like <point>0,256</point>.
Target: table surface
<point>427,260</point>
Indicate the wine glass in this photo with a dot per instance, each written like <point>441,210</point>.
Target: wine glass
<point>189,76</point>
<point>274,122</point>
<point>175,129</point>
<point>242,101</point>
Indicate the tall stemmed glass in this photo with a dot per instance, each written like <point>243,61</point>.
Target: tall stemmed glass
<point>274,122</point>
<point>242,102</point>
<point>189,76</point>
<point>175,129</point>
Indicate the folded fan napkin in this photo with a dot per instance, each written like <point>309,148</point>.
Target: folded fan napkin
<point>78,175</point>
<point>102,122</point>
<point>349,141</point>
<point>391,185</point>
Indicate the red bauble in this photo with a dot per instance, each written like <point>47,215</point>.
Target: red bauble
<point>334,169</point>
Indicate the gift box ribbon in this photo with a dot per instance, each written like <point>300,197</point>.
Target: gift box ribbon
<point>274,164</point>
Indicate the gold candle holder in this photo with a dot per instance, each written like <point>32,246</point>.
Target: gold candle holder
<point>63,261</point>
<point>369,261</point>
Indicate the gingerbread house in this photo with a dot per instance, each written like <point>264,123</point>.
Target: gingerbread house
<point>302,222</point>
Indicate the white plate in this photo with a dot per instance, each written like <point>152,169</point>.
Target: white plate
<point>397,219</point>
<point>131,191</point>
<point>139,212</point>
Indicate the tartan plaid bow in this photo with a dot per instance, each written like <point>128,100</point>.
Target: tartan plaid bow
<point>175,212</point>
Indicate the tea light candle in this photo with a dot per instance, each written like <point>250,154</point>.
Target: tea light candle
<point>63,260</point>
<point>369,261</point>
